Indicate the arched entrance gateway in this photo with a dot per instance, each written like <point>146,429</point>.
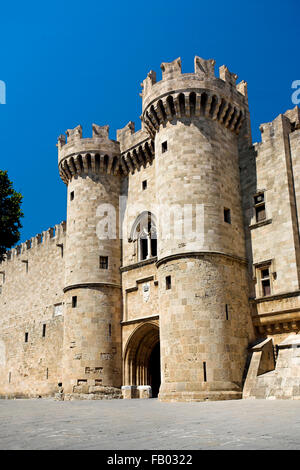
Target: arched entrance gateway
<point>142,362</point>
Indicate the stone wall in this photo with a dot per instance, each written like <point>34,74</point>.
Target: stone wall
<point>31,304</point>
<point>271,168</point>
<point>274,380</point>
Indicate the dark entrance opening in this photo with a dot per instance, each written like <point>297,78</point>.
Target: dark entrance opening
<point>154,370</point>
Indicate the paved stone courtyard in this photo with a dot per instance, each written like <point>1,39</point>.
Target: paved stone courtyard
<point>149,424</point>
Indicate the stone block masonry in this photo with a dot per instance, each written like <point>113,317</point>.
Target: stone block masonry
<point>149,308</point>
<point>31,318</point>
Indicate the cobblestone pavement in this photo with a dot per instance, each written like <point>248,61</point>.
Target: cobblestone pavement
<point>149,424</point>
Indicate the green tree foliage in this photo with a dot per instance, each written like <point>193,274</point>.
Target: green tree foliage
<point>10,214</point>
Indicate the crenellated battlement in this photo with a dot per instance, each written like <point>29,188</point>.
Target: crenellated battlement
<point>268,130</point>
<point>137,148</point>
<point>196,94</point>
<point>203,70</point>
<point>56,233</point>
<point>78,155</point>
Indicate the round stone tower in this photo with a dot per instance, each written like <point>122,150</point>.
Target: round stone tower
<point>205,325</point>
<point>92,337</point>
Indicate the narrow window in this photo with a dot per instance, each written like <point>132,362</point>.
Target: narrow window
<point>26,337</point>
<point>9,377</point>
<point>226,310</point>
<point>58,310</point>
<point>44,330</point>
<point>103,262</point>
<point>168,282</point>
<point>227,216</point>
<point>259,206</point>
<point>164,147</point>
<point>264,274</point>
<point>61,246</point>
<point>144,248</point>
<point>109,329</point>
<point>144,185</point>
<point>260,213</point>
<point>47,373</point>
<point>266,287</point>
<point>74,301</point>
<point>153,247</point>
<point>71,195</point>
<point>204,372</point>
<point>25,261</point>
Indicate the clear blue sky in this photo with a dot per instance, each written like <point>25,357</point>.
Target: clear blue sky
<point>77,62</point>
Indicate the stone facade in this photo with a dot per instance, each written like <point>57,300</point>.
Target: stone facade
<point>177,271</point>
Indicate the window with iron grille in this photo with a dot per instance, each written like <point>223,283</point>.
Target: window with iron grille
<point>103,262</point>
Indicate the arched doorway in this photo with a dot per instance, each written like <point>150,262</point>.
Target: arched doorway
<point>142,358</point>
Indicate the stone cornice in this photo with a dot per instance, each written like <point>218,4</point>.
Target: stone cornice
<point>192,104</point>
<point>269,298</point>
<point>91,285</point>
<point>138,265</point>
<point>260,224</point>
<point>200,254</point>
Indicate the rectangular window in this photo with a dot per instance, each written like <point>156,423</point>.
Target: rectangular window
<point>44,330</point>
<point>204,372</point>
<point>74,301</point>
<point>164,147</point>
<point>144,248</point>
<point>266,287</point>
<point>144,185</point>
<point>226,310</point>
<point>26,337</point>
<point>25,261</point>
<point>264,280</point>
<point>71,195</point>
<point>168,282</point>
<point>58,310</point>
<point>61,246</point>
<point>153,246</point>
<point>260,213</point>
<point>103,262</point>
<point>227,216</point>
<point>265,273</point>
<point>259,207</point>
